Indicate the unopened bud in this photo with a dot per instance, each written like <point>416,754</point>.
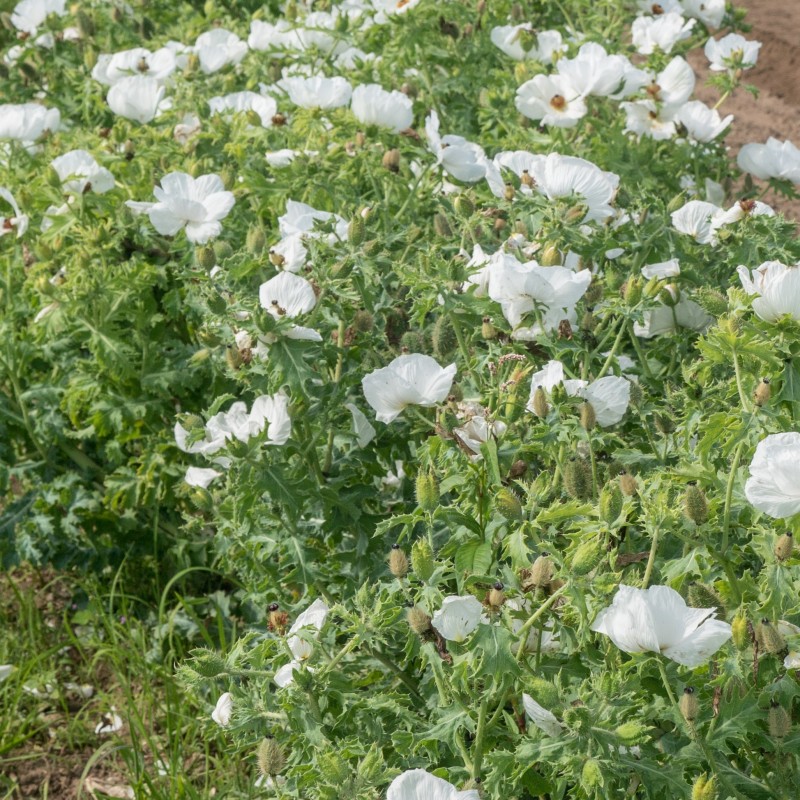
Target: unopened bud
<point>223,250</point>
<point>631,733</point>
<point>575,214</point>
<point>762,393</point>
<point>201,498</point>
<point>464,206</point>
<point>632,293</point>
<point>700,595</point>
<point>587,556</point>
<point>363,321</point>
<point>550,256</point>
<point>670,295</point>
<point>610,503</point>
<point>271,758</point>
<point>488,331</point>
<point>206,258</point>
<point>508,504</point>
<point>497,596</point>
<point>578,478</point>
<point>543,692</point>
<point>663,422</point>
<point>442,226</point>
<point>779,721</point>
<point>398,563</point>
<point>444,337</point>
<point>588,322</point>
<point>784,546</point>
<point>422,559</point>
<point>704,788</point>
<point>588,417</point>
<point>689,704</point>
<point>391,160</point>
<point>233,357</point>
<point>209,664</point>
<point>256,240</point>
<point>695,504</point>
<point>542,572</point>
<point>591,774</point>
<point>740,632</point>
<point>356,231</point>
<point>418,620</point>
<point>628,485</point>
<point>769,637</point>
<point>676,202</point>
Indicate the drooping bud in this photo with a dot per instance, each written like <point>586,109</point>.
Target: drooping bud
<point>497,596</point>
<point>464,206</point>
<point>769,637</point>
<point>740,632</point>
<point>206,257</point>
<point>695,504</point>
<point>550,256</point>
<point>588,417</point>
<point>398,563</point>
<point>586,557</point>
<point>578,478</point>
<point>591,774</point>
<point>508,504</point>
<point>488,331</point>
<point>442,226</point>
<point>391,160</point>
<point>704,788</point>
<point>271,758</point>
<point>779,721</point>
<point>762,393</point>
<point>628,485</point>
<point>418,620</point>
<point>422,559</point>
<point>610,503</point>
<point>444,337</point>
<point>540,404</point>
<point>700,595</point>
<point>356,231</point>
<point>542,572</point>
<point>689,704</point>
<point>784,546</point>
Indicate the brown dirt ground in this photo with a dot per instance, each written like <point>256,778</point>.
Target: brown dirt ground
<point>776,112</point>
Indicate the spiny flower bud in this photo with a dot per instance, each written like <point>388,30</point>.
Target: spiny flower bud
<point>398,563</point>
<point>676,202</point>
<point>633,291</point>
<point>418,620</point>
<point>488,331</point>
<point>508,504</point>
<point>271,758</point>
<point>704,788</point>
<point>591,774</point>
<point>422,559</point>
<point>427,491</point>
<point>363,321</point>
<point>779,721</point>
<point>586,557</point>
<point>630,733</point>
<point>695,504</point>
<point>256,240</point>
<point>542,571</point>
<point>762,393</point>
<point>689,704</point>
<point>550,256</point>
<point>637,395</point>
<point>588,322</point>
<point>664,424</point>
<point>509,192</point>
<point>700,595</point>
<point>391,160</point>
<point>628,485</point>
<point>444,338</point>
<point>464,206</point>
<point>588,417</point>
<point>413,341</point>
<point>610,502</point>
<point>201,498</point>
<point>711,300</point>
<point>740,632</point>
<point>543,692</point>
<point>206,257</point>
<point>209,664</point>
<point>784,546</point>
<point>233,357</point>
<point>576,213</point>
<point>578,478</point>
<point>769,637</point>
<point>442,226</point>
<point>539,403</point>
<point>356,231</point>
<point>496,596</point>
<point>223,250</point>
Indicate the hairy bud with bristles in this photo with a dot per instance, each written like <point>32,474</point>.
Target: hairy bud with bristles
<point>689,704</point>
<point>695,504</point>
<point>422,559</point>
<point>271,758</point>
<point>418,620</point>
<point>398,563</point>
<point>784,546</point>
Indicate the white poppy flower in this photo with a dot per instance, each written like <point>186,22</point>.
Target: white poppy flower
<point>774,483</point>
<point>411,379</point>
<point>647,118</point>
<point>301,218</point>
<point>273,37</point>
<point>285,675</point>
<point>668,319</point>
<point>593,71</point>
<point>79,172</point>
<point>542,718</point>
<point>109,723</point>
<point>663,269</point>
<point>739,211</point>
<point>320,32</point>
<point>288,295</point>
<point>658,620</point>
<point>28,15</point>
<point>458,617</point>
<point>520,162</point>
<point>774,159</point>
<point>196,204</point>
<point>703,124</point>
<point>317,91</point>
<point>217,48</point>
<point>312,618</point>
<point>139,98</point>
<point>17,221</point>
<point>709,12</point>
<point>660,33</point>
<point>186,128</point>
<point>281,158</point>
<point>547,378</point>
<point>674,85</point>
<point>521,43</point>
<point>463,160</point>
<point>223,710</point>
<point>352,58</point>
<point>362,427</point>
<point>373,105</point>
<point>113,67</point>
<point>476,431</point>
<point>731,52</point>
<point>5,670</point>
<point>552,99</point>
<point>240,102</point>
<point>198,476</point>
<point>696,219</point>
<point>608,396</point>
<point>272,411</point>
<point>27,122</point>
<point>416,784</point>
<point>777,287</point>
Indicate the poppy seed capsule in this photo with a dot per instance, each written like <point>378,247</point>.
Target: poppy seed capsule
<point>418,620</point>
<point>427,491</point>
<point>464,206</point>
<point>695,504</point>
<point>422,559</point>
<point>206,257</point>
<point>586,557</point>
<point>391,160</point>
<point>588,417</point>
<point>271,758</point>
<point>689,704</point>
<point>778,721</point>
<point>356,231</point>
<point>762,393</point>
<point>539,402</point>
<point>770,638</point>
<point>542,572</point>
<point>398,563</point>
<point>488,331</point>
<point>610,503</point>
<point>784,546</point>
<point>497,596</point>
<point>444,339</point>
<point>739,632</point>
<point>508,504</point>
<point>632,291</point>
<point>578,478</point>
<point>704,788</point>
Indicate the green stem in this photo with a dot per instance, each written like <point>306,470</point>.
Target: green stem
<point>639,352</point>
<point>613,352</point>
<point>531,621</point>
<point>726,517</point>
<point>651,559</point>
<point>480,735</point>
<point>337,376</point>
<point>739,386</point>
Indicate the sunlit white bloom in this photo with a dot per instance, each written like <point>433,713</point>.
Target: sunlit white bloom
<point>109,723</point>
<point>313,618</point>
<point>593,71</point>
<point>657,620</point>
<point>739,211</point>
<point>660,33</point>
<point>463,160</point>
<point>288,296</point>
<point>293,252</point>
<point>139,98</point>
<point>281,158</point>
<point>709,12</point>
<point>217,48</point>
<point>362,427</point>
<point>268,36</point>
<point>774,483</point>
<point>27,122</point>
<point>79,172</point>
<point>547,378</point>
<point>552,99</point>
<point>458,617</point>
<point>656,7</point>
<point>17,222</point>
<point>647,118</point>
<point>703,124</point>
<point>778,288</point>
<point>352,58</point>
<point>201,476</point>
<point>542,718</point>
<point>5,670</point>
<point>521,43</point>
<point>695,219</point>
<point>317,91</point>
<point>608,396</point>
<point>478,430</point>
<point>520,162</point>
<point>373,105</point>
<point>301,218</point>
<point>416,784</point>
<point>196,204</point>
<point>240,102</point>
<point>188,127</point>
<point>774,159</point>
<point>223,710</point>
<point>113,67</point>
<point>731,52</point>
<point>411,379</point>
<point>669,318</point>
<point>663,269</point>
<point>28,15</point>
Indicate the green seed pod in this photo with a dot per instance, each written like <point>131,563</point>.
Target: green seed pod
<point>704,788</point>
<point>695,504</point>
<point>209,664</point>
<point>496,596</point>
<point>578,478</point>
<point>740,632</point>
<point>427,491</point>
<point>610,502</point>
<point>539,402</point>
<point>591,774</point>
<point>689,704</point>
<point>779,721</point>
<point>630,733</point>
<point>422,559</point>
<point>356,231</point>
<point>628,485</point>
<point>586,557</point>
<point>444,337</point>
<point>762,393</point>
<point>398,562</point>
<point>588,417</point>
<point>464,206</point>
<point>508,504</point>
<point>543,692</point>
<point>442,226</point>
<point>769,637</point>
<point>256,240</point>
<point>701,595</point>
<point>222,250</point>
<point>271,758</point>
<point>542,571</point>
<point>784,546</point>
